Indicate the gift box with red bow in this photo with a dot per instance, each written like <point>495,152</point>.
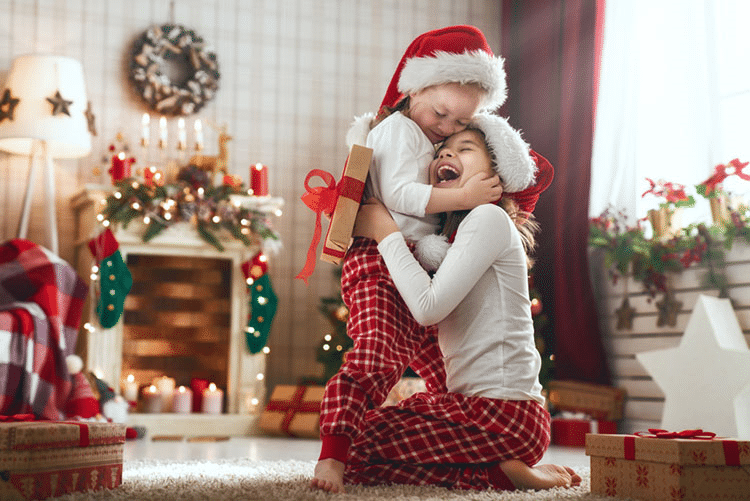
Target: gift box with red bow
<point>569,429</point>
<point>596,400</point>
<point>41,459</point>
<point>658,465</point>
<point>293,411</point>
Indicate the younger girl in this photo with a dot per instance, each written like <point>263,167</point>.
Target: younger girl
<point>491,429</point>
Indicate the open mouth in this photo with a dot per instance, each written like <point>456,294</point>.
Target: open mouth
<point>447,173</point>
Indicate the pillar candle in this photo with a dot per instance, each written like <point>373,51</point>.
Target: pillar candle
<point>198,126</point>
<point>151,400</point>
<point>145,129</point>
<point>130,389</point>
<point>198,385</point>
<point>166,388</point>
<point>259,180</point>
<point>181,134</point>
<point>213,399</point>
<point>120,167</point>
<point>182,400</point>
<point>162,133</point>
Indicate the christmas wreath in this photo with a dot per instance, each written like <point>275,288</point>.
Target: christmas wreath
<point>173,70</point>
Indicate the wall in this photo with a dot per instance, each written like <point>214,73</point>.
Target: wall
<point>294,73</point>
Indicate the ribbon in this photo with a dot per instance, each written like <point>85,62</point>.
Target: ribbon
<point>322,200</point>
<point>731,447</point>
<point>17,418</point>
<point>293,406</point>
<point>697,434</point>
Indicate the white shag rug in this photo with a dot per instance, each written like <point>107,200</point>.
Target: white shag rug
<point>244,479</point>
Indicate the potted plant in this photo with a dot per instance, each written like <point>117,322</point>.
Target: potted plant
<point>666,220</point>
<point>722,204</point>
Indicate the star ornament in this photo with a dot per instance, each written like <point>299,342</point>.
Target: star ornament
<point>706,379</point>
<point>7,106</point>
<point>59,105</point>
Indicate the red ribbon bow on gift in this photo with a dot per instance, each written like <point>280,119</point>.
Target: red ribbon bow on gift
<point>697,434</point>
<point>321,199</point>
<point>721,172</point>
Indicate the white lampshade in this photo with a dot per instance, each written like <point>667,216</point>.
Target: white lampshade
<point>32,79</point>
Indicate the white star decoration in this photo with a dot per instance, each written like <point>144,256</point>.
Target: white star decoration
<point>706,379</point>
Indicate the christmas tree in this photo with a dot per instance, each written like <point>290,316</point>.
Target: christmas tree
<point>335,343</point>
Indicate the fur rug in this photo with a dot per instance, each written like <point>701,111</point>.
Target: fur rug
<point>243,479</point>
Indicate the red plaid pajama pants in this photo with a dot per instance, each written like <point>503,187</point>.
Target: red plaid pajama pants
<point>449,440</point>
<point>386,338</point>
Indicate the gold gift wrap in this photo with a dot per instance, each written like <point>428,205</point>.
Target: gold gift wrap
<point>293,411</point>
<point>596,400</point>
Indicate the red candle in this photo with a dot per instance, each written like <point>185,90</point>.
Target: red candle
<point>259,180</point>
<point>120,167</point>
<point>198,385</point>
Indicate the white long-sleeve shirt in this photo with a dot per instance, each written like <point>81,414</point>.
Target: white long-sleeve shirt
<point>479,298</point>
<point>399,175</point>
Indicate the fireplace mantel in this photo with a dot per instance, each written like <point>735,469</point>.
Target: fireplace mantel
<point>102,349</point>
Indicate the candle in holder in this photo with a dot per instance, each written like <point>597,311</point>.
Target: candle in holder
<point>259,180</point>
<point>213,399</point>
<point>130,389</point>
<point>181,134</point>
<point>145,129</point>
<point>198,126</point>
<point>166,388</point>
<point>151,401</point>
<point>182,400</point>
<point>120,167</point>
<point>162,133</point>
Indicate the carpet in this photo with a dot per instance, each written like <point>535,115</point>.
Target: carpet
<point>244,479</point>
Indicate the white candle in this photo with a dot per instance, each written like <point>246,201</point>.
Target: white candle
<point>181,134</point>
<point>213,399</point>
<point>151,399</point>
<point>198,135</point>
<point>182,400</point>
<point>162,132</point>
<point>166,388</point>
<point>145,129</point>
<point>130,389</point>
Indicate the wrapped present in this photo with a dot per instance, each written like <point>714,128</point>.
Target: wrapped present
<point>599,401</point>
<point>570,429</point>
<point>340,201</point>
<point>293,411</point>
<point>406,387</point>
<point>41,459</point>
<point>664,465</point>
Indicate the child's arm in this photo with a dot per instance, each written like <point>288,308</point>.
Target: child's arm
<point>478,190</point>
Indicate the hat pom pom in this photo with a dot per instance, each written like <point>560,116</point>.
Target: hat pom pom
<point>431,250</point>
<point>359,129</point>
<point>74,363</point>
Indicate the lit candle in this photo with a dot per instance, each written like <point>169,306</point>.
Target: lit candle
<point>182,400</point>
<point>259,180</point>
<point>145,129</point>
<point>130,389</point>
<point>198,135</point>
<point>162,133</point>
<point>213,399</point>
<point>198,385</point>
<point>152,402</point>
<point>181,134</point>
<point>166,388</point>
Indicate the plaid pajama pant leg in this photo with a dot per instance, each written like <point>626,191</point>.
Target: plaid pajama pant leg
<point>448,440</point>
<point>386,338</point>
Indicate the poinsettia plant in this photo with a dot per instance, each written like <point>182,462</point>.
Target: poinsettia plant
<point>674,194</point>
<point>712,187</point>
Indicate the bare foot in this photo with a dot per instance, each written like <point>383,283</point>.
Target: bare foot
<point>543,476</point>
<point>329,475</point>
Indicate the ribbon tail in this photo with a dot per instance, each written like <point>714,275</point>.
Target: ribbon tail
<point>309,267</point>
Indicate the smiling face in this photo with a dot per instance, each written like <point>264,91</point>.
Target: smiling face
<point>459,158</point>
<point>442,110</point>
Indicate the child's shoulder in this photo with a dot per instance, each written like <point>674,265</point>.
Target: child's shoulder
<point>396,125</point>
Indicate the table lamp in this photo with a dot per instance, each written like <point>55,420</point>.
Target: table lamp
<point>44,111</point>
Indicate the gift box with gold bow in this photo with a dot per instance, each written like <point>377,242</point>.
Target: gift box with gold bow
<point>41,459</point>
<point>659,465</point>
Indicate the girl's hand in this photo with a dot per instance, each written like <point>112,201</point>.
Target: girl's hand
<point>374,221</point>
<point>482,189</point>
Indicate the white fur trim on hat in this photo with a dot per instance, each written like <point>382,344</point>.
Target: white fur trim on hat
<point>359,129</point>
<point>513,160</point>
<point>430,251</point>
<point>467,67</point>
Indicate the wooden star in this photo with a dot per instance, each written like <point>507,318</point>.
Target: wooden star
<point>7,105</point>
<point>668,308</point>
<point>91,119</point>
<point>59,105</point>
<point>625,315</point>
<point>706,378</point>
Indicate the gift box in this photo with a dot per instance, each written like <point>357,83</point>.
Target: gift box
<point>293,411</point>
<point>41,459</point>
<point>571,430</point>
<point>598,401</point>
<point>350,189</point>
<point>652,468</point>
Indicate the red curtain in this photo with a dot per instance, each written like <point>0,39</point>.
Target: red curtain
<point>550,51</point>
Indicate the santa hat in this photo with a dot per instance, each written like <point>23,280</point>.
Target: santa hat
<point>513,161</point>
<point>457,54</point>
<point>81,402</point>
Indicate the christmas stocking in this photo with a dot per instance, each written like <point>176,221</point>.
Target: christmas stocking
<point>115,277</point>
<point>263,302</point>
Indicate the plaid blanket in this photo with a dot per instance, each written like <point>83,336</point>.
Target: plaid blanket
<point>41,298</point>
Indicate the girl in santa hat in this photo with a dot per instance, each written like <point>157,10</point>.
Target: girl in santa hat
<point>444,77</point>
<point>492,417</point>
